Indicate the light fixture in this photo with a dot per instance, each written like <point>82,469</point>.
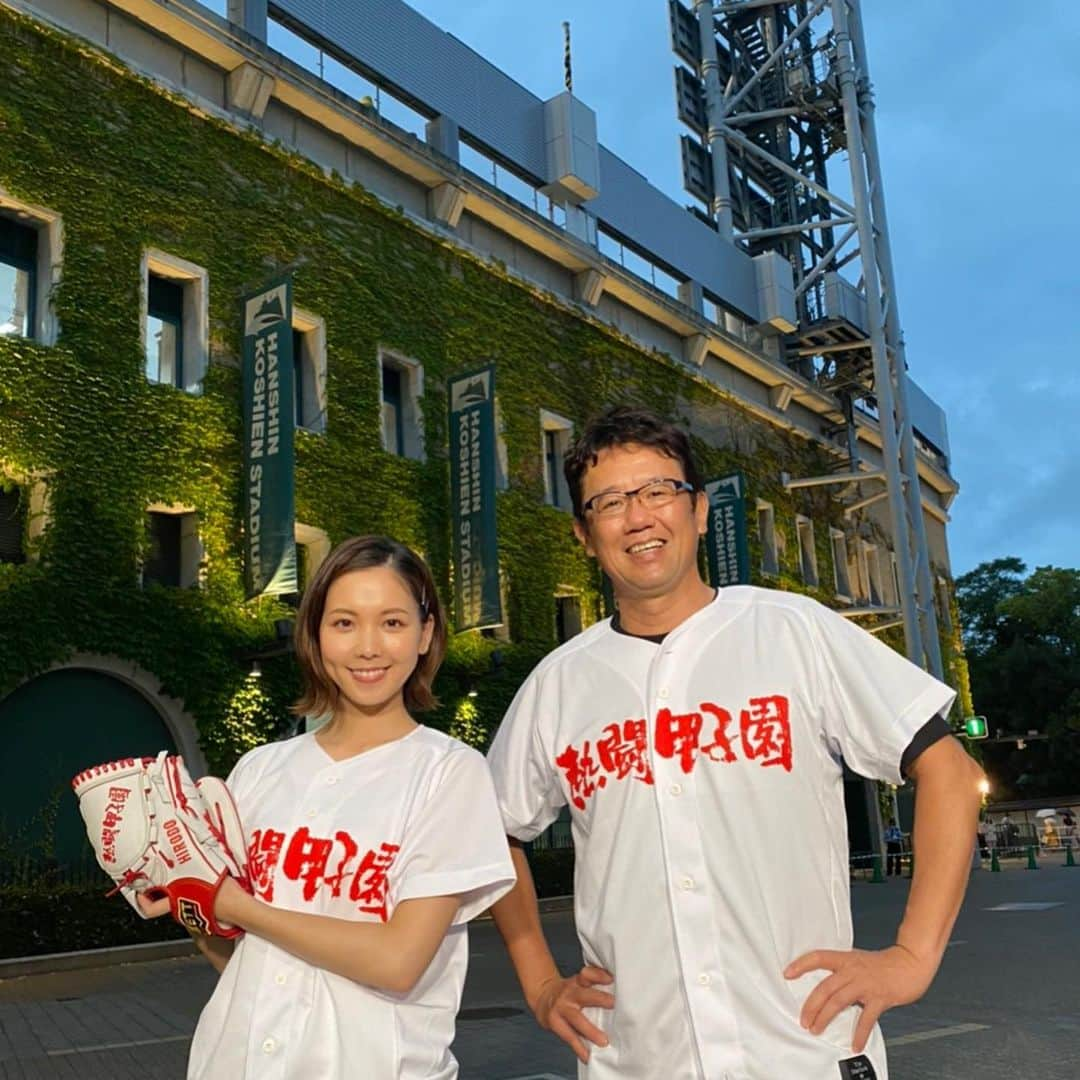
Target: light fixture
<point>472,693</point>
<point>984,786</point>
<point>256,670</point>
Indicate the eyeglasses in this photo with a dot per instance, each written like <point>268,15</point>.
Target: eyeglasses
<point>652,496</point>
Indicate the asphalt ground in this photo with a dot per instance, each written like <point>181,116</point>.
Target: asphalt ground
<point>1006,1003</point>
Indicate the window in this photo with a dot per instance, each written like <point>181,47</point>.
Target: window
<point>393,429</point>
<point>312,546</point>
<point>402,390</point>
<point>556,433</point>
<point>887,570</point>
<point>804,528</point>
<point>175,551</point>
<point>766,524</point>
<point>12,524</point>
<point>309,371</point>
<point>567,616</point>
<point>18,278</point>
<point>859,574</point>
<point>30,243</point>
<point>175,324</point>
<point>873,575</point>
<point>502,458</point>
<point>838,542</point>
<point>164,331</point>
<point>944,604</point>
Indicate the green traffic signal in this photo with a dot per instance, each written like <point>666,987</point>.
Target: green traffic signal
<point>975,727</point>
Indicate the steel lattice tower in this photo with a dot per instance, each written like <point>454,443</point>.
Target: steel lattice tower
<point>775,91</point>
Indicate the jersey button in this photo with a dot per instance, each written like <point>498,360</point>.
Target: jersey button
<point>269,1046</point>
<point>280,978</point>
<point>662,692</point>
<point>686,883</point>
<point>675,789</point>
<point>331,779</point>
<point>703,979</point>
<point>312,813</point>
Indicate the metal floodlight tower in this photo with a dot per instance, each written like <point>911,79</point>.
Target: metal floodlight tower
<point>773,90</point>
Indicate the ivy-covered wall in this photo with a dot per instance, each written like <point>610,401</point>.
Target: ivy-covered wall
<point>128,168</point>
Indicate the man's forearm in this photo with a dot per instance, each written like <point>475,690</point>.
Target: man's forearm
<point>946,814</point>
<point>517,915</point>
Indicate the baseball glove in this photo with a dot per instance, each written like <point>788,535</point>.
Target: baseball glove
<point>155,831</point>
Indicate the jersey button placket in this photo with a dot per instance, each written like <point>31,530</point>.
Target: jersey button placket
<point>691,900</point>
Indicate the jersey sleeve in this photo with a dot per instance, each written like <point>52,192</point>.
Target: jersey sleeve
<point>454,845</point>
<point>245,773</point>
<point>874,701</point>
<point>526,783</point>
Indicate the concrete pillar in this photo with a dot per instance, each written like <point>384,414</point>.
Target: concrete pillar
<point>691,295</point>
<point>249,15</point>
<point>445,204</point>
<point>442,134</point>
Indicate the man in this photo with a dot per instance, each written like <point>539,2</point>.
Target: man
<point>697,738</point>
<point>894,841</point>
<point>1010,832</point>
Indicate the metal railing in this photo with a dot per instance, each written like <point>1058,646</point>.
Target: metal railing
<point>33,871</point>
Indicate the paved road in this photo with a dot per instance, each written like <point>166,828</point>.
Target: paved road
<point>1006,1005</point>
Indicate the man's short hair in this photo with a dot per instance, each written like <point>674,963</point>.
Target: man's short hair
<point>625,425</point>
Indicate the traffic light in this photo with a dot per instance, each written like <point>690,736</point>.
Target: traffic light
<point>975,727</point>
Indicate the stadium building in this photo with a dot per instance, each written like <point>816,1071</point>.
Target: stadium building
<point>271,276</point>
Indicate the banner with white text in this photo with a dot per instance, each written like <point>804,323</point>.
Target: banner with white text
<point>726,540</point>
<point>477,603</point>
<point>269,528</point>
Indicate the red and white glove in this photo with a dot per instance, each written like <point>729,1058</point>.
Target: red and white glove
<point>155,831</point>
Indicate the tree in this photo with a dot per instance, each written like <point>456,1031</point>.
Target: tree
<point>1022,636</point>
<point>978,594</point>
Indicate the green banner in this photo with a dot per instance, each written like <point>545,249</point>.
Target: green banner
<point>725,540</point>
<point>269,529</point>
<point>472,497</point>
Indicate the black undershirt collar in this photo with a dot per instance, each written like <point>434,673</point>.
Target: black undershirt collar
<point>656,639</point>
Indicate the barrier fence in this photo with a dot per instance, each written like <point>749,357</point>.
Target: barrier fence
<point>28,871</point>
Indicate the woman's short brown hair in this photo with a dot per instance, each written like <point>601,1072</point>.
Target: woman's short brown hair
<point>321,694</point>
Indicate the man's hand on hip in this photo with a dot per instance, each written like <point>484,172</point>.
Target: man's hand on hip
<point>876,980</point>
<point>559,1004</point>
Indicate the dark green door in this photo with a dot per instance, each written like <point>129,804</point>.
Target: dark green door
<point>52,728</point>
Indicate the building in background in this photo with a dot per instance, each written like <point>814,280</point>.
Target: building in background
<point>161,163</point>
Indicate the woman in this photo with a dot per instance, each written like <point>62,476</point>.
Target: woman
<point>372,842</point>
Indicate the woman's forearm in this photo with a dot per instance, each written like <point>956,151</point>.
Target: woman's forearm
<point>389,956</point>
<point>217,950</point>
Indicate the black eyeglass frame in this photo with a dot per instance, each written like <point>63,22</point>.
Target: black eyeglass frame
<point>681,487</point>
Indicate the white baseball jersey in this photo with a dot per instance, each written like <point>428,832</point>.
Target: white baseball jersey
<point>353,839</point>
<point>705,785</point>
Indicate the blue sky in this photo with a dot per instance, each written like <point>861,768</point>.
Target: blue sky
<point>981,158</point>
